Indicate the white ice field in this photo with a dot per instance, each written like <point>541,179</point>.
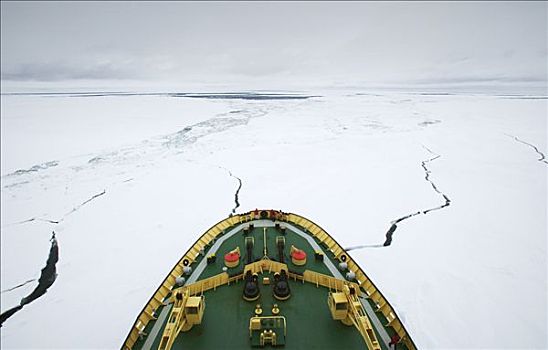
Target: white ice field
<point>471,275</point>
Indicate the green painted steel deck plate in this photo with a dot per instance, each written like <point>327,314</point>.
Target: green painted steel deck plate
<point>238,240</point>
<point>309,325</point>
<point>226,318</point>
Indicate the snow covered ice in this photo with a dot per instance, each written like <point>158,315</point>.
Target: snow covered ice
<point>128,182</point>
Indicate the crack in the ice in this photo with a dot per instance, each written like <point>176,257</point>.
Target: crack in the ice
<point>427,172</point>
<point>236,202</point>
<point>394,223</point>
<point>18,286</point>
<point>363,246</point>
<point>56,222</point>
<point>46,280</point>
<point>31,220</point>
<point>84,203</point>
<point>236,194</point>
<point>542,156</point>
<point>22,222</point>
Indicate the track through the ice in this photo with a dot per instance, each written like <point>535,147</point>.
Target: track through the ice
<point>541,155</point>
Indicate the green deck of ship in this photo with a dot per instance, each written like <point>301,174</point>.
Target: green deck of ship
<point>225,324</point>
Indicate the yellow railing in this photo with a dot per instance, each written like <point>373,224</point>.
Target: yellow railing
<point>201,286</point>
<point>265,265</point>
<point>364,282</point>
<point>362,322</point>
<point>319,279</point>
<point>156,300</point>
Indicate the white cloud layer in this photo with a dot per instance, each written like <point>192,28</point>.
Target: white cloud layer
<point>285,41</point>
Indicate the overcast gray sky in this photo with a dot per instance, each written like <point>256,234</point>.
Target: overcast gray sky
<point>244,41</point>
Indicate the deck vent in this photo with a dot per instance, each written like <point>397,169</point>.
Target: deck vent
<point>350,275</point>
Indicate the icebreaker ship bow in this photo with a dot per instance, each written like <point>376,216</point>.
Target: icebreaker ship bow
<point>267,279</point>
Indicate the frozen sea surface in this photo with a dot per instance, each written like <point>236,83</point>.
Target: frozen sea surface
<point>128,181</point>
